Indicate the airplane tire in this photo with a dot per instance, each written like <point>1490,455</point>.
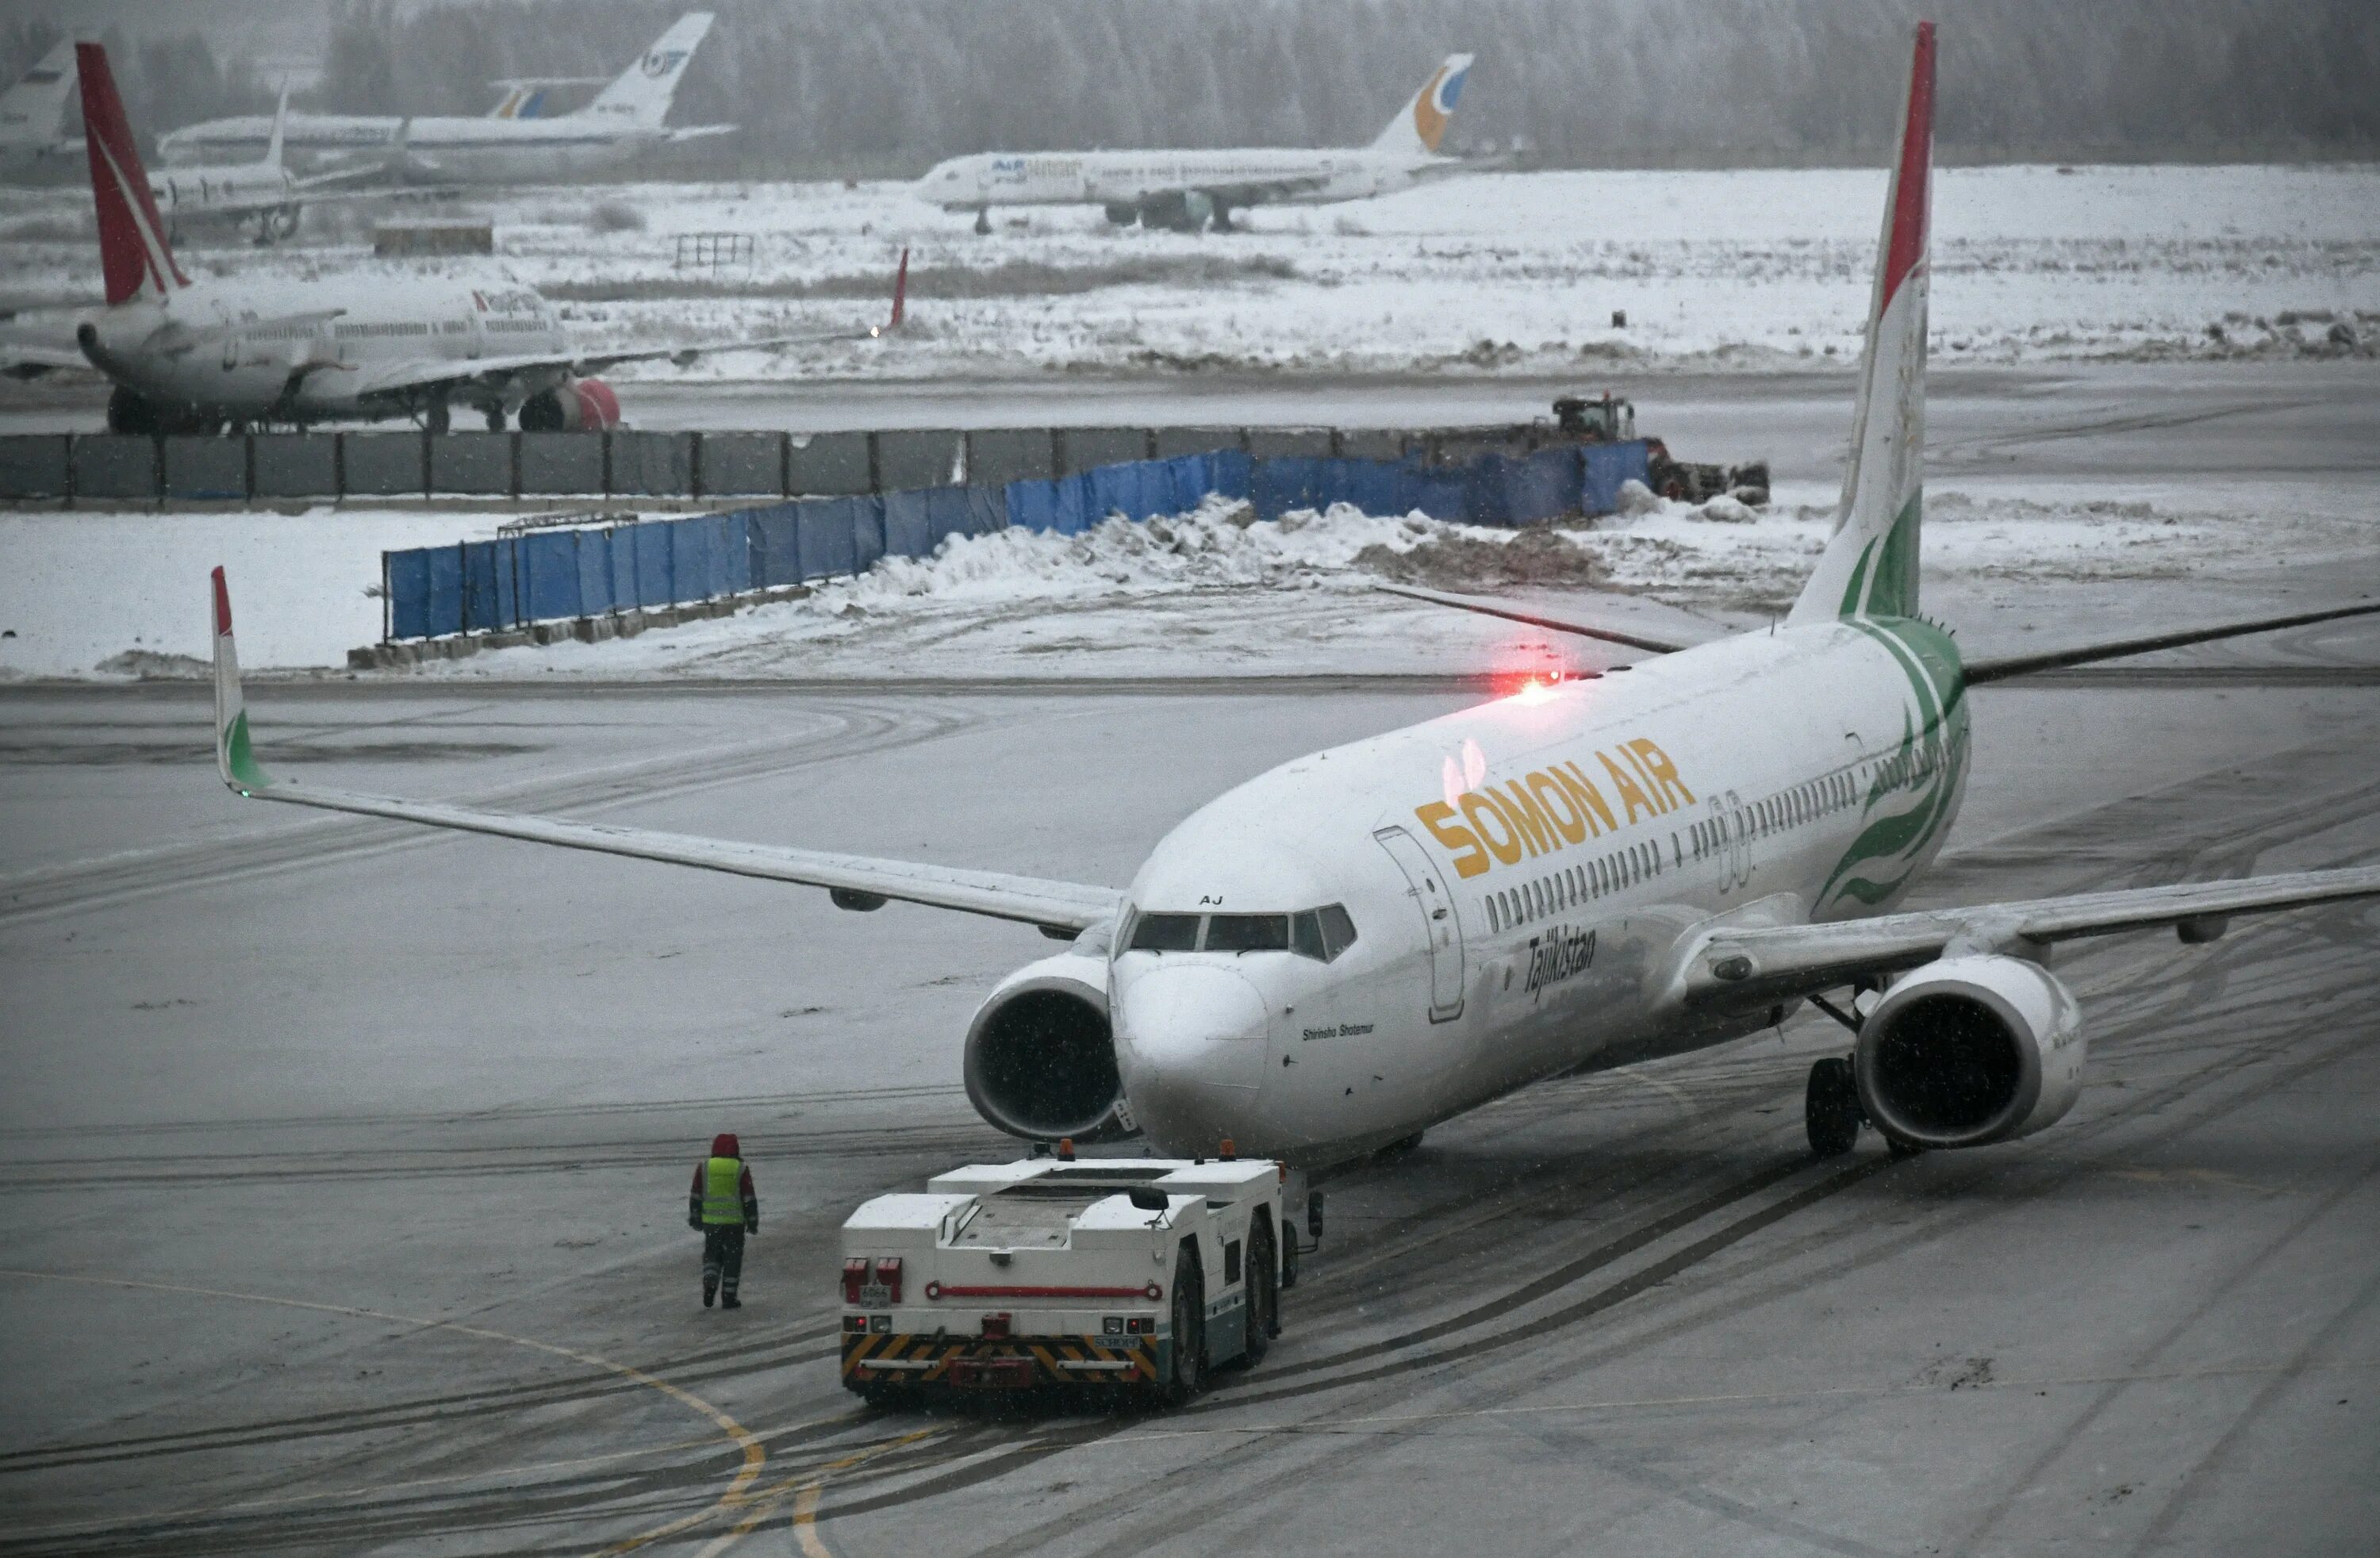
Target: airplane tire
<point>1122,216</point>
<point>128,411</point>
<point>438,417</point>
<point>982,220</point>
<point>1830,1108</point>
<point>495,419</point>
<point>1264,1294</point>
<point>1187,1376</point>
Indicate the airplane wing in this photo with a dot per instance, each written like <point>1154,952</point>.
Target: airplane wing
<point>493,372</point>
<point>1977,672</point>
<point>1753,964</point>
<point>854,881</point>
<point>1535,618</point>
<point>698,132</point>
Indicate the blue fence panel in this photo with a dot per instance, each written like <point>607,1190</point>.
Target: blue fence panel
<point>1544,486</point>
<point>827,550</point>
<point>1276,486</point>
<point>445,591</point>
<point>1231,472</point>
<point>1156,484</point>
<point>1108,489</point>
<point>1437,491</point>
<point>1032,504</point>
<point>620,549</point>
<point>1074,514</point>
<point>1374,486</point>
<point>909,522</point>
<point>483,595</point>
<point>986,510</point>
<point>595,573</point>
<point>867,532</point>
<point>1603,467</point>
<point>1189,478</point>
<point>691,568</point>
<point>949,512</point>
<point>775,546</point>
<point>656,581</point>
<point>548,576</point>
<point>406,574</point>
<point>735,551</point>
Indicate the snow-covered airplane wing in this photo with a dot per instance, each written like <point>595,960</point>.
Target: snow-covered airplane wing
<point>1753,963</point>
<point>856,882</point>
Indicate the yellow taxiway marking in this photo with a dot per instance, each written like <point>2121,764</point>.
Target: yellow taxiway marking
<point>745,1475</point>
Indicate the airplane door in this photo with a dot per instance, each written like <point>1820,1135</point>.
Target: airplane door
<point>1435,905</point>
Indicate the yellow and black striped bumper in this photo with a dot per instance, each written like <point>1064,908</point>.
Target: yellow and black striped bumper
<point>961,1362</point>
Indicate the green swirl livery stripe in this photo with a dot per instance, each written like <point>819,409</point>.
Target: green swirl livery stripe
<point>1934,743</point>
<point>238,760</point>
<point>1891,589</point>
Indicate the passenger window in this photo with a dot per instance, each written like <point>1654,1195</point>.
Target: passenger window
<point>1306,936</point>
<point>1495,913</point>
<point>1338,930</point>
<point>1247,932</point>
<point>1165,932</point>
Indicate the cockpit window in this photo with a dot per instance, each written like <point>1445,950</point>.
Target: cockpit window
<point>1338,931</point>
<point>1247,932</point>
<point>1306,936</point>
<point>1165,932</point>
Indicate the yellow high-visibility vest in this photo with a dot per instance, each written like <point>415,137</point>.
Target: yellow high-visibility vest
<point>721,1205</point>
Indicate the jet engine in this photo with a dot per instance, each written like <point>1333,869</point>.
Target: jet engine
<point>1040,1055</point>
<point>572,405</point>
<point>1970,1050</point>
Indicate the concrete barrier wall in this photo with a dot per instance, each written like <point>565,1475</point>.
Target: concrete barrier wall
<point>914,460</point>
<point>382,464</point>
<point>626,463</point>
<point>830,465</point>
<point>560,464</point>
<point>294,465</point>
<point>743,463</point>
<point>205,469</point>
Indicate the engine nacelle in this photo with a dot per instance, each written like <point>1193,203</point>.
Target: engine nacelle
<point>1970,1050</point>
<point>572,405</point>
<point>1041,1053</point>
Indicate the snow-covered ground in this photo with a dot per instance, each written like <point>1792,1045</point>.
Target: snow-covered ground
<point>1211,594</point>
<point>1754,268</point>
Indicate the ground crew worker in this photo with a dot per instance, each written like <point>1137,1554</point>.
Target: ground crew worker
<point>722,1208</point>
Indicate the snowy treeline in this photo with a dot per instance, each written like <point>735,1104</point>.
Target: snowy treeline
<point>892,85</point>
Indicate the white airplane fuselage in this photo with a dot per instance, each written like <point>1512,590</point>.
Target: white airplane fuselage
<point>443,150</point>
<point>231,348</point>
<point>1744,779</point>
<point>1304,177</point>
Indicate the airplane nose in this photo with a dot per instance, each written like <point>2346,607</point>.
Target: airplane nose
<point>1191,1045</point>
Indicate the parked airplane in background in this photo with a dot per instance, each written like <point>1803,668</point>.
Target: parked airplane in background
<point>263,191</point>
<point>190,357</point>
<point>1342,952</point>
<point>623,120</point>
<point>1191,190</point>
<point>33,117</point>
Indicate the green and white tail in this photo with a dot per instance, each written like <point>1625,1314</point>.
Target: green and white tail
<point>238,764</point>
<point>1869,569</point>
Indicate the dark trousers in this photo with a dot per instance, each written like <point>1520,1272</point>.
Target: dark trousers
<point>722,1258</point>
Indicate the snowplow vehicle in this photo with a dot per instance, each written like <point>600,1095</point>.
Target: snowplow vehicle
<point>1125,1277</point>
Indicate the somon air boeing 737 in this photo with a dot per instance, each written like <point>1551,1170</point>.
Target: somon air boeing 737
<point>1193,190</point>
<point>1339,953</point>
<point>190,357</point>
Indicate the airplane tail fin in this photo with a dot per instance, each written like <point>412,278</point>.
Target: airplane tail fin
<point>37,100</point>
<point>1420,125</point>
<point>1870,566</point>
<point>641,96</point>
<point>900,292</point>
<point>132,247</point>
<point>280,128</point>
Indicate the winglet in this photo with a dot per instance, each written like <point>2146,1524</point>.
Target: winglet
<point>232,758</point>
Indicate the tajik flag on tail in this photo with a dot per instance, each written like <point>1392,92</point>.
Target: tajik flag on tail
<point>1870,568</point>
<point>232,754</point>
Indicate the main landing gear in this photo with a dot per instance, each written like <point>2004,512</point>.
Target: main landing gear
<point>1830,1108</point>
